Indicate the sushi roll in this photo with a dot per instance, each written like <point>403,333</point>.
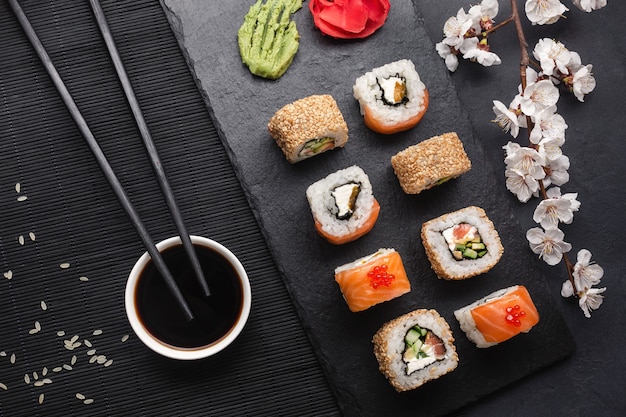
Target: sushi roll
<point>498,317</point>
<point>392,98</point>
<point>308,127</point>
<point>343,206</point>
<point>414,349</point>
<point>430,163</point>
<point>461,244</point>
<point>373,279</point>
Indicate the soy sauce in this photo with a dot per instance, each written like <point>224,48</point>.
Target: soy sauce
<point>214,316</point>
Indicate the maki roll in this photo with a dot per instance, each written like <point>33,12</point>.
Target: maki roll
<point>372,279</point>
<point>308,127</point>
<point>414,349</point>
<point>498,317</point>
<point>461,244</point>
<point>343,206</point>
<point>430,163</point>
<point>392,98</point>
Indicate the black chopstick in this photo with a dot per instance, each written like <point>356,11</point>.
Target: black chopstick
<point>166,190</point>
<point>117,187</point>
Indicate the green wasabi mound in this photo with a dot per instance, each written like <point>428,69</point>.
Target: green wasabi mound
<point>268,39</point>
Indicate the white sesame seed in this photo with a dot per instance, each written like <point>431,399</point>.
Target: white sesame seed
<point>108,363</point>
<point>3,353</point>
<point>46,381</point>
<point>97,332</point>
<point>44,371</point>
<point>41,397</point>
<point>74,338</point>
<point>35,375</point>
<point>88,401</point>
<point>4,387</point>
<point>18,187</point>
<point>80,396</point>
<point>64,265</point>
<point>91,352</point>
<point>26,378</point>
<point>83,279</point>
<point>101,359</point>
<point>124,338</point>
<point>12,358</point>
<point>93,359</point>
<point>60,333</point>
<point>57,369</point>
<point>44,306</point>
<point>33,331</point>
<point>37,326</point>
<point>38,384</point>
<point>73,360</point>
<point>67,367</point>
<point>32,236</point>
<point>87,343</point>
<point>8,274</point>
<point>76,345</point>
<point>22,198</point>
<point>20,240</point>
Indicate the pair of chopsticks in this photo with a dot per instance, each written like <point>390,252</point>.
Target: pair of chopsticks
<point>115,184</point>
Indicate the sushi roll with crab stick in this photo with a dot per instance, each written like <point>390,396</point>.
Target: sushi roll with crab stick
<point>343,206</point>
<point>392,98</point>
<point>498,316</point>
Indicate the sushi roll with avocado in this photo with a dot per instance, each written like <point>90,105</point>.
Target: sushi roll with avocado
<point>498,316</point>
<point>392,98</point>
<point>343,205</point>
<point>308,127</point>
<point>415,348</point>
<point>461,244</point>
<point>430,163</point>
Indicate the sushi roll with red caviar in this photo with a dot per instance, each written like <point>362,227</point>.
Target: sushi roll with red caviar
<point>373,279</point>
<point>392,98</point>
<point>498,317</point>
<point>343,205</point>
<point>414,349</point>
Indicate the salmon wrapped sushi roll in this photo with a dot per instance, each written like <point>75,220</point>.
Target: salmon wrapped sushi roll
<point>343,205</point>
<point>498,317</point>
<point>392,98</point>
<point>414,349</point>
<point>308,127</point>
<point>373,279</point>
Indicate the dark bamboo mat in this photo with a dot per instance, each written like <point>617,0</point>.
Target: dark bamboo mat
<point>68,215</point>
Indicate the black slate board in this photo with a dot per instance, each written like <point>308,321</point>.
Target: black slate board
<point>241,105</point>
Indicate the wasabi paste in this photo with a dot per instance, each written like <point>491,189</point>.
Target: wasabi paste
<point>268,39</point>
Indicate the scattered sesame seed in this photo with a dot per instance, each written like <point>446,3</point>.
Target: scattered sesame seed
<point>41,398</point>
<point>73,360</point>
<point>20,240</point>
<point>32,236</point>
<point>3,353</point>
<point>91,352</point>
<point>87,343</point>
<point>33,331</point>
<point>18,187</point>
<point>108,363</point>
<point>44,371</point>
<point>22,198</point>
<point>60,333</point>
<point>88,401</point>
<point>57,369</point>
<point>124,338</point>
<point>74,338</point>
<point>46,381</point>
<point>4,387</point>
<point>84,279</point>
<point>44,306</point>
<point>97,332</point>
<point>101,359</point>
<point>64,265</point>
<point>26,378</point>
<point>93,359</point>
<point>8,274</point>
<point>80,396</point>
<point>35,375</point>
<point>67,367</point>
<point>38,384</point>
<point>12,358</point>
<point>37,326</point>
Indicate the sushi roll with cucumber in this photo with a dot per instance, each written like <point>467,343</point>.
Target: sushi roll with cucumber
<point>392,98</point>
<point>498,316</point>
<point>372,279</point>
<point>343,205</point>
<point>415,348</point>
<point>308,127</point>
<point>461,244</point>
<point>430,163</point>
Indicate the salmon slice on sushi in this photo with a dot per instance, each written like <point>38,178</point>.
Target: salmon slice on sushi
<point>392,98</point>
<point>498,317</point>
<point>372,279</point>
<point>343,205</point>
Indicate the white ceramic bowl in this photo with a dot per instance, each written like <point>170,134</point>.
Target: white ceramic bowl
<point>166,349</point>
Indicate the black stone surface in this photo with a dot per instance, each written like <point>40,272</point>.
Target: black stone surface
<point>241,105</point>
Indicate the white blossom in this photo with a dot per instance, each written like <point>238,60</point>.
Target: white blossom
<point>448,53</point>
<point>455,29</point>
<point>537,96</point>
<point>523,186</point>
<point>589,5</point>
<point>505,118</point>
<point>583,82</point>
<point>526,161</point>
<point>482,56</point>
<point>586,273</point>
<point>556,171</point>
<point>548,244</point>
<point>591,299</point>
<point>486,9</point>
<point>566,289</point>
<point>556,208</point>
<point>551,55</point>
<point>550,147</point>
<point>544,12</point>
<point>548,124</point>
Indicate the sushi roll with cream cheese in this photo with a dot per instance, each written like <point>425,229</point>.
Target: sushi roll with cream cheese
<point>461,244</point>
<point>430,163</point>
<point>308,127</point>
<point>414,349</point>
<point>372,279</point>
<point>343,205</point>
<point>392,98</point>
<point>498,317</point>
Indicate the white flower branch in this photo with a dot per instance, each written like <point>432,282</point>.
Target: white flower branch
<point>531,170</point>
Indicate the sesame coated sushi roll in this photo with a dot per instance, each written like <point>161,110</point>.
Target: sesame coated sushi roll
<point>461,244</point>
<point>343,206</point>
<point>308,127</point>
<point>373,279</point>
<point>430,163</point>
<point>392,98</point>
<point>414,349</point>
<point>498,317</point>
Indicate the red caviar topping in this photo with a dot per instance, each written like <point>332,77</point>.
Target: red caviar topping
<point>378,276</point>
<point>514,315</point>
